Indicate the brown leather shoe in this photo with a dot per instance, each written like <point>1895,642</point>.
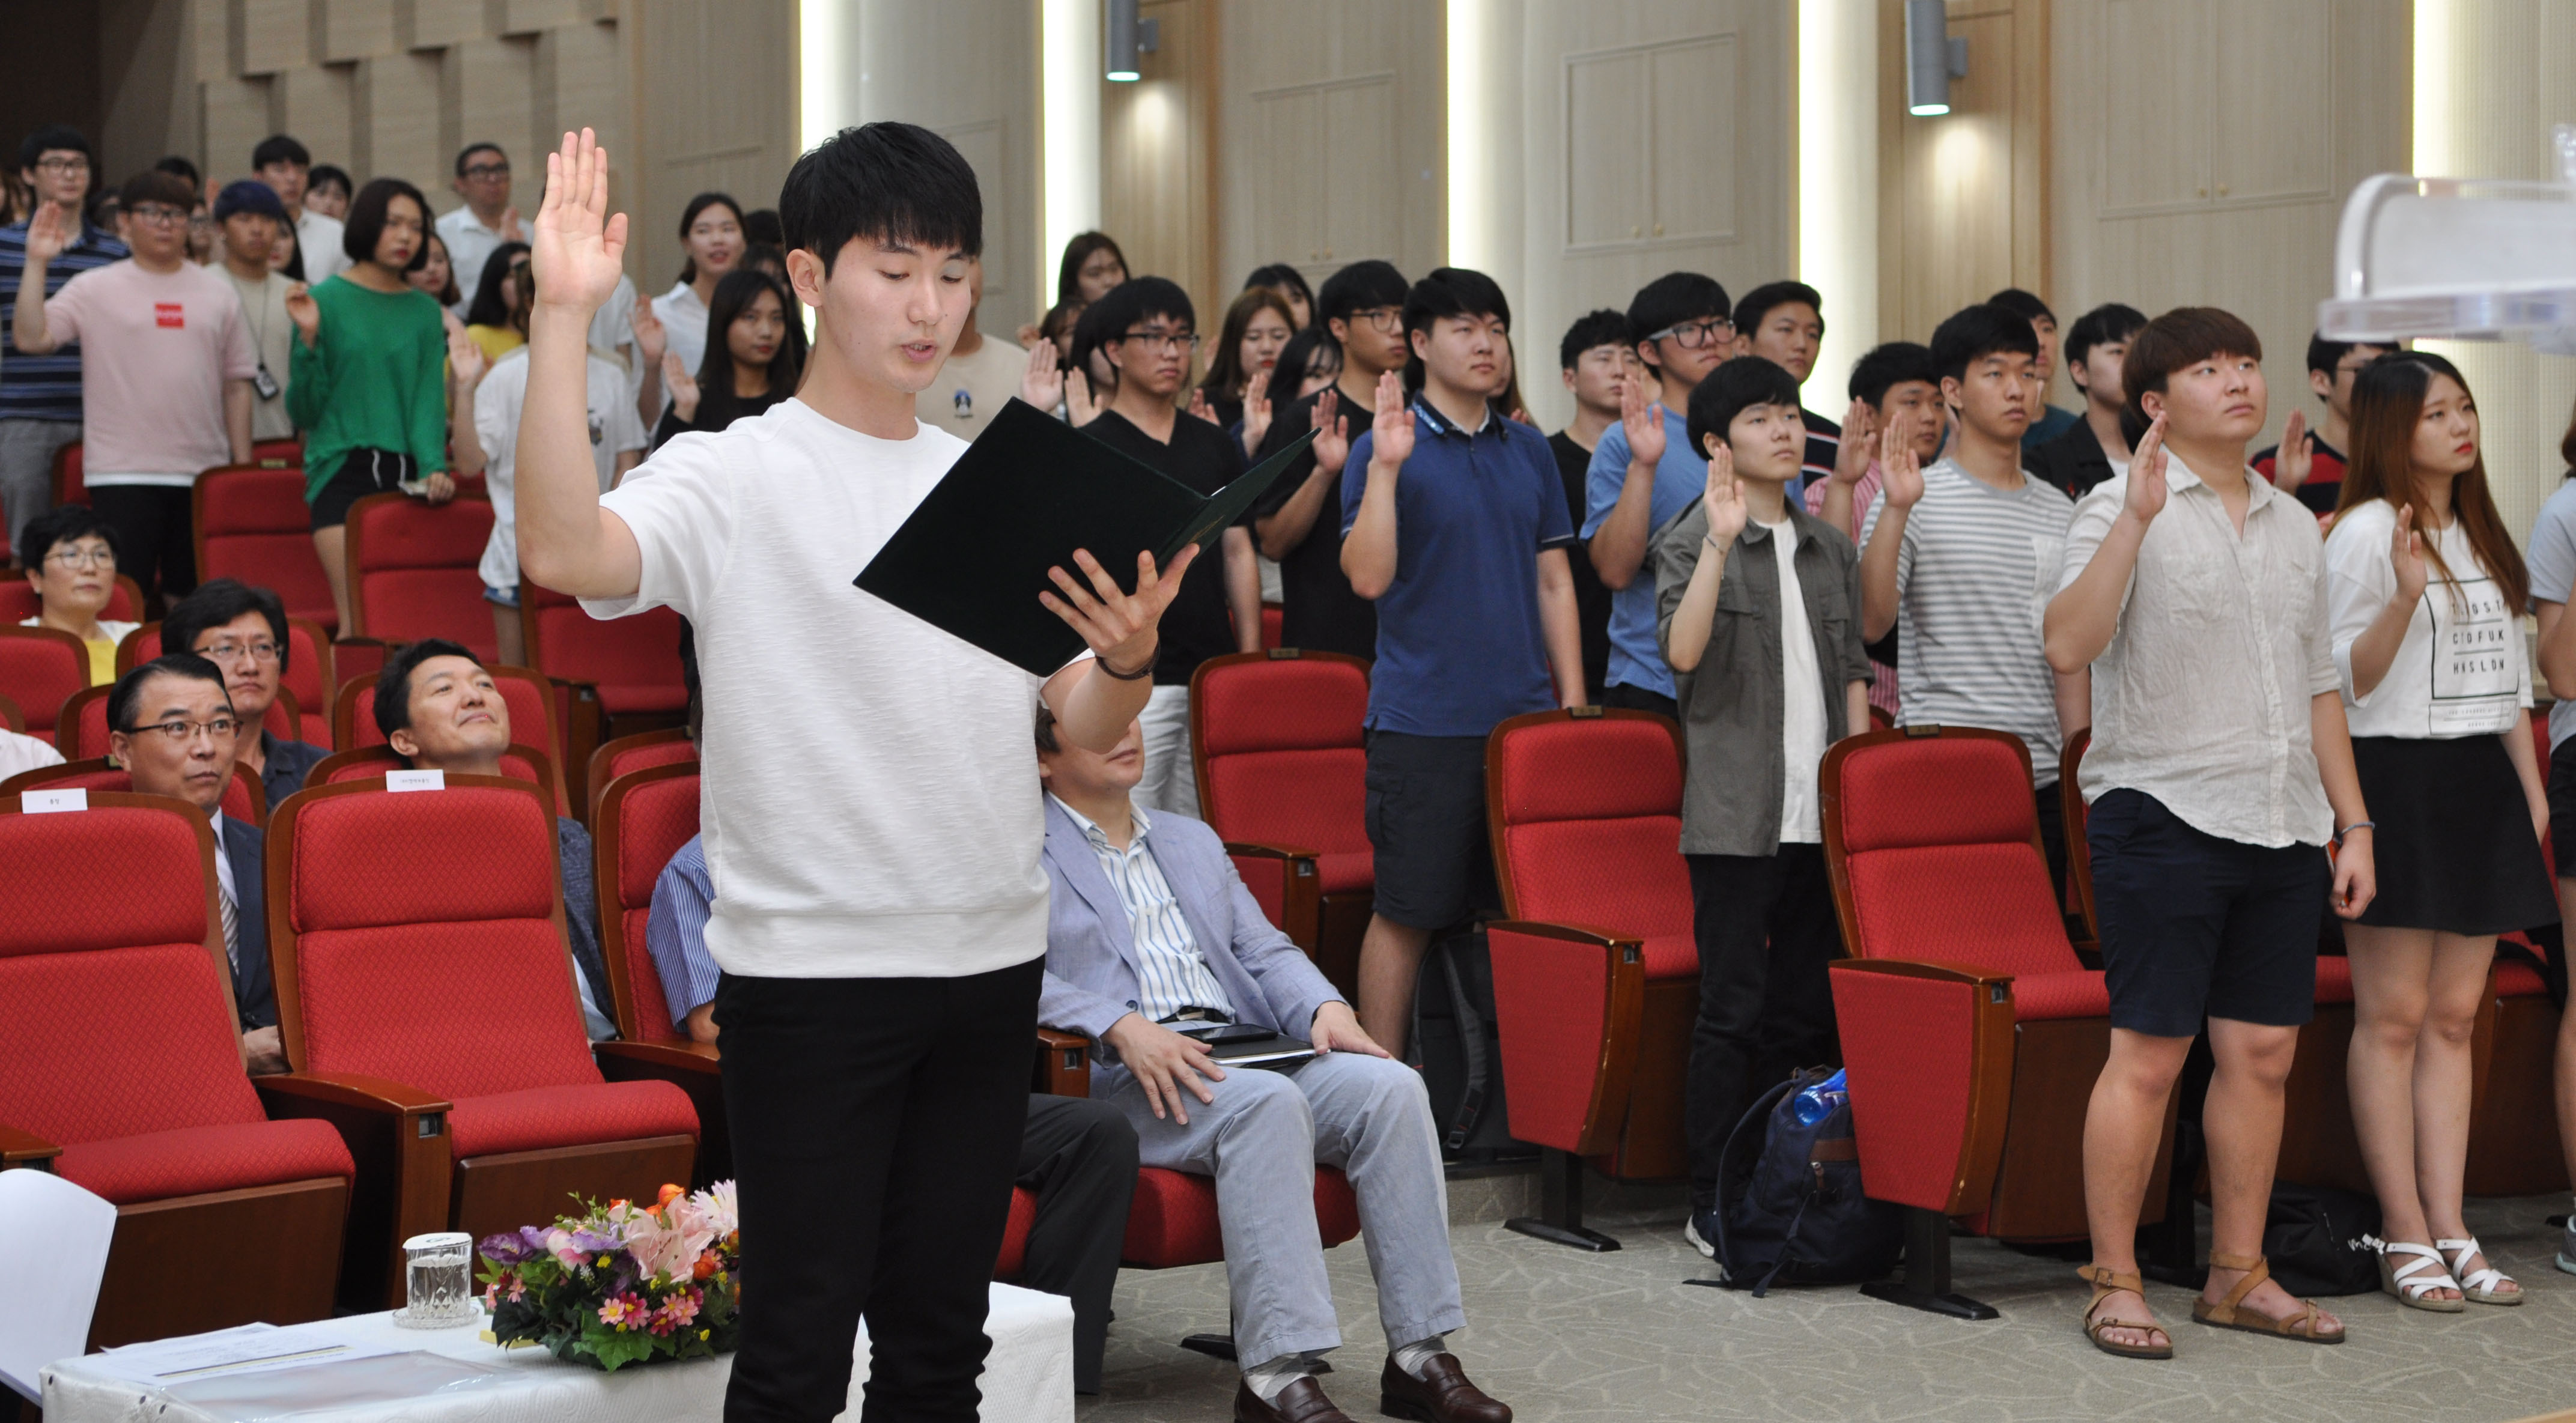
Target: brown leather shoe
<point>1445,1397</point>
<point>1300,1402</point>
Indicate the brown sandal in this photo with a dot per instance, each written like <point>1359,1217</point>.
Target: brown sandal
<point>2229,1312</point>
<point>2106,1284</point>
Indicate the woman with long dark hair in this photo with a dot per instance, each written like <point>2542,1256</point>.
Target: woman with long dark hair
<point>753,367</point>
<point>1092,265</point>
<point>1237,388</point>
<point>2424,592</point>
<point>678,319</point>
<point>497,318</point>
<point>1291,286</point>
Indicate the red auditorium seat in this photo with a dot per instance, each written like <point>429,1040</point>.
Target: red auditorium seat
<point>69,487</point>
<point>643,819</point>
<point>40,669</point>
<point>412,571</point>
<point>529,696</point>
<point>121,1071</point>
<point>426,997</point>
<point>667,747</point>
<point>308,676</point>
<point>1971,1032</point>
<point>11,717</point>
<point>368,763</point>
<point>251,523</point>
<point>632,664</point>
<point>243,797</point>
<point>1282,762</point>
<point>1596,975</point>
<point>18,601</point>
<point>80,728</point>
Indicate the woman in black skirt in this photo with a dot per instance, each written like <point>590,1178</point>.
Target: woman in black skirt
<point>2425,591</point>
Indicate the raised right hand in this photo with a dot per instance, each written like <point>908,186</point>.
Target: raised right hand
<point>1723,500</point>
<point>2147,475</point>
<point>1851,457</point>
<point>2406,551</point>
<point>651,338</point>
<point>1900,473</point>
<point>49,231</point>
<point>682,385</point>
<point>1643,420</point>
<point>1079,408</point>
<point>1393,424</point>
<point>1165,1064</point>
<point>1042,384</point>
<point>1332,434</point>
<point>580,249</point>
<point>304,311</point>
<point>1256,410</point>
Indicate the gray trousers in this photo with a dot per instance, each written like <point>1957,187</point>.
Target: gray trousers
<point>27,467</point>
<point>1261,1141</point>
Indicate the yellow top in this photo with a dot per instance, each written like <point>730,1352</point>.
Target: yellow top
<point>102,662</point>
<point>496,341</point>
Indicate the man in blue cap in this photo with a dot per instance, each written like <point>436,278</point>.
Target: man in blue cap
<point>251,218</point>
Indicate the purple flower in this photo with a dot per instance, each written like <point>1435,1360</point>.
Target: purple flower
<point>508,1249</point>
<point>597,1242</point>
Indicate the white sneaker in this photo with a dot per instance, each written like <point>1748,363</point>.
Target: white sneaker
<point>1701,1243</point>
<point>2567,1247</point>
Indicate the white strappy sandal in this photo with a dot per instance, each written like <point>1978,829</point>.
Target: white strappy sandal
<point>2479,1284</point>
<point>2413,1283</point>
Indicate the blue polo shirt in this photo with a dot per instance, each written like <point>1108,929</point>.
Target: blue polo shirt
<point>1459,643</point>
<point>46,387</point>
<point>1681,476</point>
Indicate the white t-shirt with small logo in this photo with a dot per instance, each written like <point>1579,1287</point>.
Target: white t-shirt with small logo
<point>2462,669</point>
<point>971,390</point>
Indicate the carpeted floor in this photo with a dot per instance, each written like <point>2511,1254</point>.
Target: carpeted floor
<point>1563,1336</point>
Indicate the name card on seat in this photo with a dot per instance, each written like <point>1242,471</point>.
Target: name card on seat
<point>415,780</point>
<point>48,802</point>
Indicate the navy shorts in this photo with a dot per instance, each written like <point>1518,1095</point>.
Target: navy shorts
<point>1426,826</point>
<point>2195,926</point>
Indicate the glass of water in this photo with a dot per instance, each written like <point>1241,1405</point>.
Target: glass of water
<point>439,1271</point>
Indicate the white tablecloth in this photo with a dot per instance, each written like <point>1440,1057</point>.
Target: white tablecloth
<point>1028,1378</point>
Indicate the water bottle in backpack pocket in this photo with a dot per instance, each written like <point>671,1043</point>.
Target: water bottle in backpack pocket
<point>1801,1219</point>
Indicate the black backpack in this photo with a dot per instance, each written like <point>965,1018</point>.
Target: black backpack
<point>2317,1239</point>
<point>1801,1219</point>
<point>1456,1043</point>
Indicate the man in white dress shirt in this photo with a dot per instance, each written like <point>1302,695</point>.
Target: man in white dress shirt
<point>475,231</point>
<point>282,163</point>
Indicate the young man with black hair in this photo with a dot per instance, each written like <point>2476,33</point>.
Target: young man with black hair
<point>2095,447</point>
<point>2221,768</point>
<point>1893,386</point>
<point>40,396</point>
<point>1958,557</point>
<point>166,370</point>
<point>285,165</point>
<point>1454,524</point>
<point>484,221</point>
<point>1645,471</point>
<point>1219,610</point>
<point>253,221</point>
<point>172,729</point>
<point>2048,421</point>
<point>1784,323</point>
<point>875,1026</point>
<point>2332,365</point>
<point>1599,363</point>
<point>243,631</point>
<point>1298,521</point>
<point>441,711</point>
<point>1765,688</point>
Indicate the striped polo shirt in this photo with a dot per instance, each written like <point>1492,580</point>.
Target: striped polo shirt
<point>46,387</point>
<point>1973,578</point>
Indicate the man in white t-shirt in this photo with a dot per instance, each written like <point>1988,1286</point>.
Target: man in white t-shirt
<point>982,373</point>
<point>475,231</point>
<point>871,815</point>
<point>617,442</point>
<point>166,368</point>
<point>1961,558</point>
<point>282,163</point>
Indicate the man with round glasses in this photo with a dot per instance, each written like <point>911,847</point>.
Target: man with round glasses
<point>243,631</point>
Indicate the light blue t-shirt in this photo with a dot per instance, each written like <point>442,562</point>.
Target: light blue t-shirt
<point>2552,562</point>
<point>1636,660</point>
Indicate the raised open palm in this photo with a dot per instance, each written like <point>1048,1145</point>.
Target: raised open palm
<point>1643,420</point>
<point>1900,474</point>
<point>579,248</point>
<point>1392,428</point>
<point>1723,500</point>
<point>1332,432</point>
<point>2147,487</point>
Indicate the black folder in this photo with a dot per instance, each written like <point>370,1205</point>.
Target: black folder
<point>974,556</point>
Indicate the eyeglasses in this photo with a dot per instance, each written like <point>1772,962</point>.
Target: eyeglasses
<point>83,558</point>
<point>180,733</point>
<point>260,651</point>
<point>1164,341</point>
<point>1384,318</point>
<point>1695,334</point>
<point>63,165</point>
<point>157,214</point>
<point>486,172</point>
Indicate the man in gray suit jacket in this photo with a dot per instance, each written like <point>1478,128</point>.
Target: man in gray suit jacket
<point>1148,923</point>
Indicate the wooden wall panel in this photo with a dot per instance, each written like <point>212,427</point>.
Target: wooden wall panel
<point>271,35</point>
<point>233,116</point>
<point>430,24</point>
<point>577,69</point>
<point>487,94</point>
<point>314,104</point>
<point>396,100</point>
<point>743,145</point>
<point>1157,147</point>
<point>352,29</point>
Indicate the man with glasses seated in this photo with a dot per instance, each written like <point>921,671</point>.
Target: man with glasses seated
<point>166,371</point>
<point>242,630</point>
<point>1644,471</point>
<point>40,396</point>
<point>1145,327</point>
<point>70,558</point>
<point>172,728</point>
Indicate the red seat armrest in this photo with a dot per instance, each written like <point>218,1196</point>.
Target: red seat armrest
<point>1928,1054</point>
<point>1286,884</point>
<point>672,1062</point>
<point>395,1134</point>
<point>358,656</point>
<point>1569,1004</point>
<point>1063,1064</point>
<point>25,1148</point>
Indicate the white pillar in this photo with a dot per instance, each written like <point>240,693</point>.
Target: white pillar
<point>1071,55</point>
<point>1838,184</point>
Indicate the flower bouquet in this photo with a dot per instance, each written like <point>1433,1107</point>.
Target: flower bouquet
<point>621,1284</point>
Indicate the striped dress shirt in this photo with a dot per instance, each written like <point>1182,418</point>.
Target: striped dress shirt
<point>675,932</point>
<point>1171,973</point>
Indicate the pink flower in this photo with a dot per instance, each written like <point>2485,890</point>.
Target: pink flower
<point>682,1308</point>
<point>666,1245</point>
<point>561,1243</point>
<point>624,1311</point>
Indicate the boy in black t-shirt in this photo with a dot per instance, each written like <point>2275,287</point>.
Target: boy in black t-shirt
<point>1299,518</point>
<point>1784,323</point>
<point>2331,368</point>
<point>1598,361</point>
<point>1148,332</point>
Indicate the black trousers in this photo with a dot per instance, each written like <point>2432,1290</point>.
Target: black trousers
<point>1765,926</point>
<point>155,535</point>
<point>1639,699</point>
<point>876,1127</point>
<point>2052,838</point>
<point>1079,1156</point>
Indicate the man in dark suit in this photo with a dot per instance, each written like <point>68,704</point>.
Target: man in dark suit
<point>1147,924</point>
<point>243,631</point>
<point>171,726</point>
